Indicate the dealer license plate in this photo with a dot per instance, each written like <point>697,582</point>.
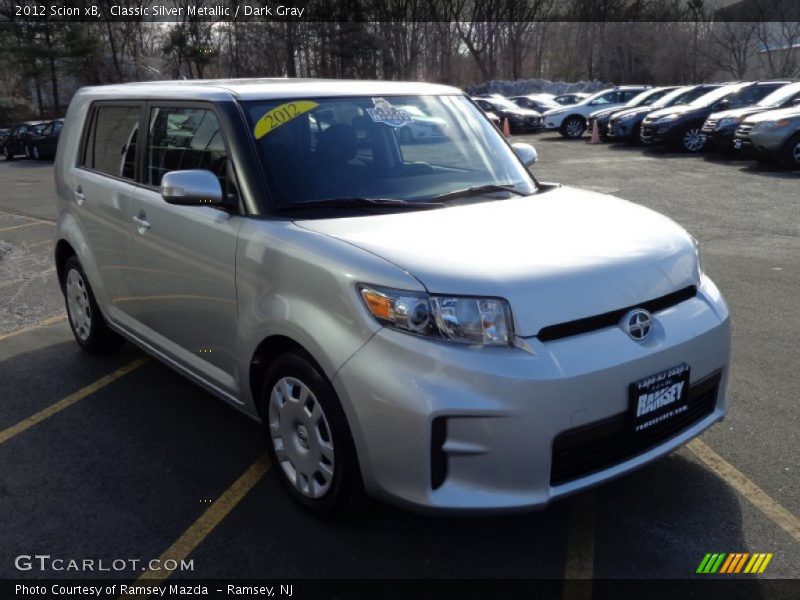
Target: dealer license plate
<point>659,398</point>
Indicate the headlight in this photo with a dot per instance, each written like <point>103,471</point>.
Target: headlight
<point>728,121</point>
<point>773,124</point>
<point>666,118</point>
<point>462,319</point>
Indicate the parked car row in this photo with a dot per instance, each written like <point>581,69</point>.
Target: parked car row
<point>33,139</point>
<point>760,118</point>
<point>524,113</point>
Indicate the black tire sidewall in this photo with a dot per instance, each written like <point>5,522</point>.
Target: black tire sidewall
<point>789,160</point>
<point>345,485</point>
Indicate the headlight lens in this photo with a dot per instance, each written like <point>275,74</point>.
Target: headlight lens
<point>462,319</point>
<point>728,121</point>
<point>775,124</point>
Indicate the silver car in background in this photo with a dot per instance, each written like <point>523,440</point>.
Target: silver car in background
<point>425,322</point>
<point>772,136</point>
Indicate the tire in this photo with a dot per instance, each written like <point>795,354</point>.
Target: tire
<point>573,127</point>
<point>308,439</point>
<point>690,140</point>
<point>790,156</point>
<point>85,319</point>
<point>8,154</point>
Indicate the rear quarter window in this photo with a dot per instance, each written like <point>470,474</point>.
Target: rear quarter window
<point>110,142</point>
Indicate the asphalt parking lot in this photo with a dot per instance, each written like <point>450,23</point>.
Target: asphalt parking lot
<point>122,458</point>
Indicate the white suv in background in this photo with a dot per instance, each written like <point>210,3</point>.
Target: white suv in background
<point>571,120</point>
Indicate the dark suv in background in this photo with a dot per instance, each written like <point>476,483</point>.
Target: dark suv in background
<point>601,117</point>
<point>681,126</point>
<point>18,141</point>
<point>624,125</point>
<point>720,128</point>
<point>520,120</point>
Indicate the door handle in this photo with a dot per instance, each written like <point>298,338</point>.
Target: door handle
<point>78,196</point>
<point>141,223</point>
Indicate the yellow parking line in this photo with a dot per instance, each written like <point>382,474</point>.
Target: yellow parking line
<point>579,567</point>
<point>42,243</point>
<point>25,225</point>
<point>205,524</point>
<point>37,325</point>
<point>752,493</point>
<point>53,409</point>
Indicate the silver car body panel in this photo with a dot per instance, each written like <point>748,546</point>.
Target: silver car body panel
<point>202,279</point>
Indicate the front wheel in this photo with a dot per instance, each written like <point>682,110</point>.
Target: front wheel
<point>88,325</point>
<point>791,153</point>
<point>692,139</point>
<point>573,127</point>
<point>308,438</point>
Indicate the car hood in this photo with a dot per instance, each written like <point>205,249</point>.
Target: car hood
<point>678,108</point>
<point>739,112</point>
<point>774,115</point>
<point>522,112</point>
<point>562,255</point>
<point>639,110</point>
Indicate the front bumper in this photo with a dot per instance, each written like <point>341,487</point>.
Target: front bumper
<point>623,130</point>
<point>659,133</point>
<point>445,427</point>
<point>720,139</point>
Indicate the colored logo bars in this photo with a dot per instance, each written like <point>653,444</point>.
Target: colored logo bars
<point>734,563</point>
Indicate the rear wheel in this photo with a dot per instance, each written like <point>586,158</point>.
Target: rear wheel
<point>88,325</point>
<point>573,127</point>
<point>791,153</point>
<point>308,439</point>
<point>692,139</point>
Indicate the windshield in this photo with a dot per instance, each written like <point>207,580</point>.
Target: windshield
<point>320,149</point>
<point>780,96</point>
<point>503,103</point>
<point>714,95</point>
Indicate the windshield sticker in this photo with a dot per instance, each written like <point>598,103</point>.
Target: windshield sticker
<point>388,114</point>
<point>280,115</point>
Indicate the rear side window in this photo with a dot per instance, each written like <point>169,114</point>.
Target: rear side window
<point>111,141</point>
<point>184,138</point>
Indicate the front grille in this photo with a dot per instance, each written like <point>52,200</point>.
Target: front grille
<point>744,131</point>
<point>709,125</point>
<point>592,448</point>
<point>611,318</point>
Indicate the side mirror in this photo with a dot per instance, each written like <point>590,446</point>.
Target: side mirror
<point>527,153</point>
<point>723,104</point>
<point>192,188</point>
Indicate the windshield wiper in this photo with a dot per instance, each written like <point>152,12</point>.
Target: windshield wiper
<point>479,190</point>
<point>359,202</point>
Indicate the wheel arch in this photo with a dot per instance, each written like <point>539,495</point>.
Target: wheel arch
<point>62,253</point>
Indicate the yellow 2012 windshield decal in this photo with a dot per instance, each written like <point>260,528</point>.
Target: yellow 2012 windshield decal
<point>280,115</point>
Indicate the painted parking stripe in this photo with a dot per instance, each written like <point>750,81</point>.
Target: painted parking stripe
<point>208,521</point>
<point>751,492</point>
<point>579,566</point>
<point>38,325</point>
<point>25,225</point>
<point>56,408</point>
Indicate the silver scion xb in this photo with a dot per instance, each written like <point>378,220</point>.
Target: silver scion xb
<point>414,317</point>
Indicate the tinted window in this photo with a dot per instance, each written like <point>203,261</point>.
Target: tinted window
<point>111,143</point>
<point>184,138</point>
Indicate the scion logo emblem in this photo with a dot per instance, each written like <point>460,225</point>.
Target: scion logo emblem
<point>638,324</point>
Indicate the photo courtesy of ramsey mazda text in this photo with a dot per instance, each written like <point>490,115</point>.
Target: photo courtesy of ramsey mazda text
<point>424,323</point>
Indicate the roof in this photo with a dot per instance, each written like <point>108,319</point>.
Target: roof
<point>260,89</point>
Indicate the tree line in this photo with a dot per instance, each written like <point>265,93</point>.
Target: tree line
<point>460,42</point>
